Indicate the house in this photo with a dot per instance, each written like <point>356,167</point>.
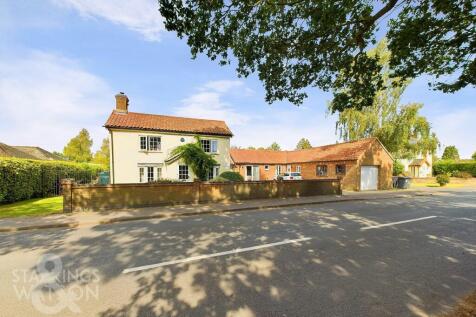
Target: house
<point>27,152</point>
<point>361,165</point>
<point>141,144</point>
<point>418,167</point>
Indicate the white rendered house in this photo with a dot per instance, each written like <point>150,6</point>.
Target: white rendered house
<point>141,144</point>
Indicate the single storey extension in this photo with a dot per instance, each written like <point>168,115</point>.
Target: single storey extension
<point>361,165</point>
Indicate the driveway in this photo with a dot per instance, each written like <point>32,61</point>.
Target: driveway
<point>402,257</point>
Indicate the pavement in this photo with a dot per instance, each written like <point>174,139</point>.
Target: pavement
<point>414,256</point>
<point>82,219</point>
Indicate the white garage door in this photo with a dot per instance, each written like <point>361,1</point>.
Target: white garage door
<point>368,177</point>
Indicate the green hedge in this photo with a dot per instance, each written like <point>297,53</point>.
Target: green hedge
<point>451,167</point>
<point>22,179</point>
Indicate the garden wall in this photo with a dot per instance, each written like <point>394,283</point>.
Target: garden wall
<point>120,196</point>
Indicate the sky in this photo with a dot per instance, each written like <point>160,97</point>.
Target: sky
<point>62,62</point>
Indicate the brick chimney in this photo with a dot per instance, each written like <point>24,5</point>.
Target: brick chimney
<point>122,102</point>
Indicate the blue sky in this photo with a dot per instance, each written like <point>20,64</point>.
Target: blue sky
<point>62,61</point>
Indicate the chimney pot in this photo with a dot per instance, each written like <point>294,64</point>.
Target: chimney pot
<point>122,102</point>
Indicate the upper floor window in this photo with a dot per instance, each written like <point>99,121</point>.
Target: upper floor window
<point>209,146</point>
<point>340,169</point>
<point>150,143</point>
<point>321,170</point>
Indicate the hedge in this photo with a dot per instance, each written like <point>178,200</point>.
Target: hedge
<point>22,179</point>
<point>451,167</point>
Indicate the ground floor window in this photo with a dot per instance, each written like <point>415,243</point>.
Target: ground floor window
<point>340,169</point>
<point>266,167</point>
<point>214,172</point>
<point>149,174</point>
<point>278,169</point>
<point>183,172</point>
<point>321,170</point>
<point>298,169</point>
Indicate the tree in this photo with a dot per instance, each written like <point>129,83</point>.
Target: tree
<point>194,156</point>
<point>274,146</point>
<point>400,128</point>
<point>59,155</point>
<point>102,155</point>
<point>303,144</point>
<point>474,156</point>
<point>450,153</point>
<point>78,148</point>
<point>294,44</point>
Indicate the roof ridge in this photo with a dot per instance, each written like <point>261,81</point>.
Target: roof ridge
<point>170,116</point>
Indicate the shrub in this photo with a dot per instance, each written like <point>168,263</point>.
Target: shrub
<point>451,167</point>
<point>22,179</point>
<point>232,176</point>
<point>464,175</point>
<point>219,179</point>
<point>397,168</point>
<point>443,179</point>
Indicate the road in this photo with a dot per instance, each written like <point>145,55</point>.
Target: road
<point>392,257</point>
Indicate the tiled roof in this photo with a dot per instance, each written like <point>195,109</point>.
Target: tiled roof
<point>26,152</point>
<point>347,151</point>
<point>153,122</point>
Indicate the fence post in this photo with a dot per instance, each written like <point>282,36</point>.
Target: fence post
<point>67,188</point>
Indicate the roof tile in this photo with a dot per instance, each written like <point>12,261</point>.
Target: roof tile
<point>153,122</point>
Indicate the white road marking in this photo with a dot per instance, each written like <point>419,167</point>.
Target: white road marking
<point>396,223</point>
<point>212,255</point>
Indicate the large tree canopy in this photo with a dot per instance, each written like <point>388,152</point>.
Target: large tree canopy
<point>403,131</point>
<point>295,44</point>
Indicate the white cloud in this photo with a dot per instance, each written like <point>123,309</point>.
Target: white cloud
<point>45,99</point>
<point>139,15</point>
<point>222,86</point>
<point>208,103</point>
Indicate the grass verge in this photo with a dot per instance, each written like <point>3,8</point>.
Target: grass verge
<point>32,207</point>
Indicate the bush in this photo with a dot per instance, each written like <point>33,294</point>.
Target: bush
<point>232,176</point>
<point>451,167</point>
<point>397,168</point>
<point>219,179</point>
<point>443,179</point>
<point>464,175</point>
<point>22,179</point>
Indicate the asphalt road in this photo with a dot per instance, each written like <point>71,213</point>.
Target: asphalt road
<point>401,257</point>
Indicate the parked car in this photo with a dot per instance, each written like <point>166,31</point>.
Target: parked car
<point>291,176</point>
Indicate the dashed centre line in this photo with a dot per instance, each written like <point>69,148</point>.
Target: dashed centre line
<point>396,223</point>
<point>213,255</point>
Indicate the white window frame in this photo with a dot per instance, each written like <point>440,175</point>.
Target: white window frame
<point>148,140</point>
<point>141,174</point>
<point>318,173</point>
<point>278,170</point>
<point>214,172</point>
<point>212,146</point>
<point>288,168</point>
<point>298,169</point>
<point>266,167</point>
<point>179,174</point>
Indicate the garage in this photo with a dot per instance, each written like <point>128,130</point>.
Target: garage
<point>368,177</point>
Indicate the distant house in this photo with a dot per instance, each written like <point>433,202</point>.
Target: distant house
<point>27,152</point>
<point>361,165</point>
<point>141,144</point>
<point>420,166</point>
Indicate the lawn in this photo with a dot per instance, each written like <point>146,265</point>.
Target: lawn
<point>33,207</point>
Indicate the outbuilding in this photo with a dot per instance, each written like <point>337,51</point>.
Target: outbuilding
<point>361,165</point>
